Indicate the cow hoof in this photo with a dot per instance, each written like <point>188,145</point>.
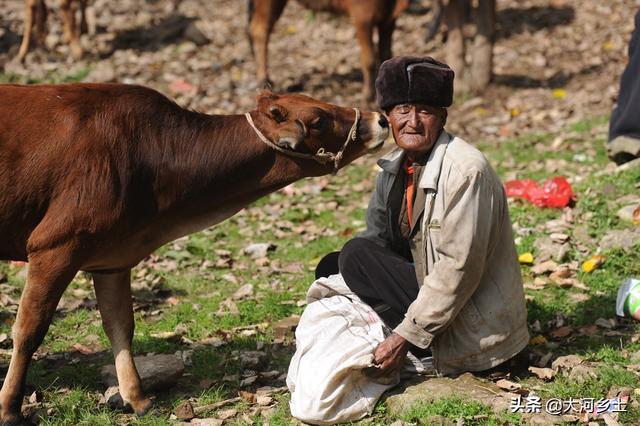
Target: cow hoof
<point>143,407</point>
<point>13,421</point>
<point>266,84</point>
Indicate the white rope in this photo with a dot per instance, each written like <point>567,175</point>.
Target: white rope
<point>321,156</point>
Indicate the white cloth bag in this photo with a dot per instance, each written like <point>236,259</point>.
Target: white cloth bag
<point>335,340</point>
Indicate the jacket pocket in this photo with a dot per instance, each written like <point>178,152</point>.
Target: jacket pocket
<point>471,315</point>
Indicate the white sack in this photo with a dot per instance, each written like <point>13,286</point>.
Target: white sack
<point>335,340</point>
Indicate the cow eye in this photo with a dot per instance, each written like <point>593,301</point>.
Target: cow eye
<point>317,122</point>
<point>277,114</point>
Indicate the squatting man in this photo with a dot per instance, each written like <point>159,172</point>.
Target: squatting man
<point>437,260</point>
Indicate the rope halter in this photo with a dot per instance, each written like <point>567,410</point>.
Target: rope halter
<point>321,156</point>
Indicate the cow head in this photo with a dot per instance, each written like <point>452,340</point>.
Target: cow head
<point>304,125</point>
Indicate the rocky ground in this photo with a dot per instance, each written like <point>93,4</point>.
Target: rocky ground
<point>215,311</point>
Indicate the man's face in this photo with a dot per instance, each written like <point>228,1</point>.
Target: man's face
<point>416,127</point>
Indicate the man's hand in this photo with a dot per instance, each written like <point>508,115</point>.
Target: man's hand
<point>390,355</point>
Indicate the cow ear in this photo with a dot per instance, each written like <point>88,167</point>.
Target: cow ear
<point>264,100</point>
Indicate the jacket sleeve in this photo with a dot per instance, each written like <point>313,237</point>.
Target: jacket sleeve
<point>461,255</point>
<point>376,216</point>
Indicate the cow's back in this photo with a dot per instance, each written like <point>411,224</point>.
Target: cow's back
<point>51,136</point>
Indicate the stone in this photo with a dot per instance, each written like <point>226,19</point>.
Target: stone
<point>113,399</point>
<point>582,373</point>
<point>184,411</point>
<point>258,250</point>
<point>547,249</point>
<point>621,239</point>
<point>431,390</point>
<point>157,372</point>
<point>253,360</point>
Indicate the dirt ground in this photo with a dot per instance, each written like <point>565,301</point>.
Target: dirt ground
<point>556,61</point>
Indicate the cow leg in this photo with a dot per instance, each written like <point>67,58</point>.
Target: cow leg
<point>29,15</point>
<point>263,16</point>
<point>84,28</point>
<point>68,9</point>
<point>385,36</point>
<point>41,22</point>
<point>113,293</point>
<point>364,34</point>
<point>50,272</point>
<point>482,54</point>
<point>454,17</point>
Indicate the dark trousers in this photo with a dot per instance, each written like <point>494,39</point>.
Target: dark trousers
<point>625,118</point>
<point>380,277</point>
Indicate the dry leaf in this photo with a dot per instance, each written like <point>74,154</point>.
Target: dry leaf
<point>543,373</point>
<point>562,332</point>
<point>508,385</point>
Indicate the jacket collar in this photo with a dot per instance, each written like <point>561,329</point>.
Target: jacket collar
<point>393,161</point>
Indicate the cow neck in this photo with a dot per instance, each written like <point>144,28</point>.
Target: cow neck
<point>216,158</point>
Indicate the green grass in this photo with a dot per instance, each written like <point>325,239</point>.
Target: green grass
<point>319,217</point>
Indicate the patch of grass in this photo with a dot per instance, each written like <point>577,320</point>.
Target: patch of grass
<point>456,407</point>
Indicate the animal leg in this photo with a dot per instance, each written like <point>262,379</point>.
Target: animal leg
<point>41,22</point>
<point>364,34</point>
<point>113,293</point>
<point>68,8</point>
<point>385,35</point>
<point>84,28</point>
<point>263,16</point>
<point>29,14</point>
<point>482,54</point>
<point>454,17</point>
<point>50,272</point>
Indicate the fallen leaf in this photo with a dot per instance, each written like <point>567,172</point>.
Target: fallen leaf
<point>543,373</point>
<point>593,263</point>
<point>227,414</point>
<point>508,385</point>
<point>562,332</point>
<point>566,362</point>
<point>526,258</point>
<point>544,267</point>
<point>243,292</point>
<point>83,349</point>
<point>538,340</point>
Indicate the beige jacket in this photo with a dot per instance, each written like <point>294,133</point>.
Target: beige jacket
<point>470,308</point>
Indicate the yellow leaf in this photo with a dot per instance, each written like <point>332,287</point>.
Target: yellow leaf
<point>526,258</point>
<point>291,29</point>
<point>592,263</point>
<point>607,45</point>
<point>538,340</point>
<point>481,111</point>
<point>515,112</point>
<point>559,93</point>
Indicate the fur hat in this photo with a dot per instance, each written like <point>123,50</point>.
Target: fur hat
<point>408,79</point>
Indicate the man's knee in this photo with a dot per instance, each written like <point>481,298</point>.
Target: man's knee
<point>352,253</point>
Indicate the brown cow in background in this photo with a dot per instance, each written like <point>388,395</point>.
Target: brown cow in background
<point>36,16</point>
<point>366,15</point>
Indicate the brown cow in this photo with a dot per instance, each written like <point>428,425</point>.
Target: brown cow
<point>94,177</point>
<point>364,14</point>
<point>36,16</point>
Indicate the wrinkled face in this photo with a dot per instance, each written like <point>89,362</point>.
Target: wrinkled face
<point>302,124</point>
<point>416,127</point>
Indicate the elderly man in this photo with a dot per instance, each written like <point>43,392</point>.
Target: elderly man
<point>437,260</point>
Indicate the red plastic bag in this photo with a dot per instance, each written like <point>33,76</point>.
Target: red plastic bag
<point>555,192</point>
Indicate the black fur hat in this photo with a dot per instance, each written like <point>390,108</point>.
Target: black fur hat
<point>409,79</point>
